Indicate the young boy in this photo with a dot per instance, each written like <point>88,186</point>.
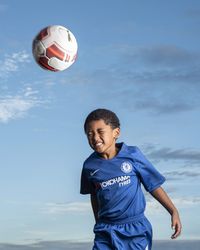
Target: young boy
<point>112,175</point>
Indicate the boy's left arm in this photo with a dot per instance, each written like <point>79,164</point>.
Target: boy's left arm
<point>160,195</point>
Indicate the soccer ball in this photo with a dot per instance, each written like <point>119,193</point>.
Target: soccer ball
<point>55,48</point>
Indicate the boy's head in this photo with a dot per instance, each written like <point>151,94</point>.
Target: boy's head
<point>109,118</point>
<point>102,128</point>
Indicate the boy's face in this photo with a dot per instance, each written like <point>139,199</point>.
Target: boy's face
<point>102,137</point>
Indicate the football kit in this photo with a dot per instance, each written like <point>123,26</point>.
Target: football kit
<point>116,183</point>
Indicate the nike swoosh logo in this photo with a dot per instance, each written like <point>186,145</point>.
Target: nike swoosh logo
<point>93,173</point>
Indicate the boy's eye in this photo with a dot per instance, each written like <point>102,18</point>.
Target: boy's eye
<point>90,134</point>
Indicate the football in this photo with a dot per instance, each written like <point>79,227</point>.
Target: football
<point>55,48</point>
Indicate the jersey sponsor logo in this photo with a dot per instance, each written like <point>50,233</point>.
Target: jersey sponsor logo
<point>94,172</point>
<point>120,180</point>
<point>126,167</point>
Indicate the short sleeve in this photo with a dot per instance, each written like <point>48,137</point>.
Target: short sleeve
<point>86,186</point>
<point>148,174</point>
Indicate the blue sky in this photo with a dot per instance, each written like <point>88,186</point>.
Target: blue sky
<point>139,58</point>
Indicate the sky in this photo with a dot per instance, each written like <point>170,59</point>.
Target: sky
<point>140,59</point>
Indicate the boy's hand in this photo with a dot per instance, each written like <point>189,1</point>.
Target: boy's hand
<point>176,225</point>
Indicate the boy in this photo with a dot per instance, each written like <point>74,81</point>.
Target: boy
<point>112,175</point>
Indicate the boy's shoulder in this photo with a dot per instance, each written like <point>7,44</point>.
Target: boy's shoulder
<point>134,152</point>
<point>90,160</point>
<point>132,149</point>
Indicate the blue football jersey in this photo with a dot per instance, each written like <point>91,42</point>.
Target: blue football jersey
<point>117,182</point>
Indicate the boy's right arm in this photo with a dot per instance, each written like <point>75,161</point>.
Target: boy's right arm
<point>94,203</point>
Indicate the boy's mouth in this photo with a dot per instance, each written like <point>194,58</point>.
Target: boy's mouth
<point>98,145</point>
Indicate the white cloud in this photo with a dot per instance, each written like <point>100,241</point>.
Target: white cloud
<point>29,92</point>
<point>181,202</point>
<point>12,63</point>
<point>83,207</point>
<point>62,208</point>
<point>16,106</point>
<point>168,154</point>
<point>184,202</point>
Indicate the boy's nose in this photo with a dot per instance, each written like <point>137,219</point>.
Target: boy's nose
<point>96,137</point>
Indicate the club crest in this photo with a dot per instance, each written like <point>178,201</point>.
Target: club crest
<point>126,167</point>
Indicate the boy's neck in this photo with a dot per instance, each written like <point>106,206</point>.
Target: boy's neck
<point>111,153</point>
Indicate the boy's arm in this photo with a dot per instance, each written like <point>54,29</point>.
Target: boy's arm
<point>94,203</point>
<point>160,195</point>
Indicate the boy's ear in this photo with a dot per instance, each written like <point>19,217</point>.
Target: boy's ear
<point>116,133</point>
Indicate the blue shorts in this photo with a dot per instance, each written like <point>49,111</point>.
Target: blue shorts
<point>133,235</point>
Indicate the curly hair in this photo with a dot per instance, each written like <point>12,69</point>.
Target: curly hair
<point>108,116</point>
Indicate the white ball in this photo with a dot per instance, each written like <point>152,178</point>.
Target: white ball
<point>55,48</point>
